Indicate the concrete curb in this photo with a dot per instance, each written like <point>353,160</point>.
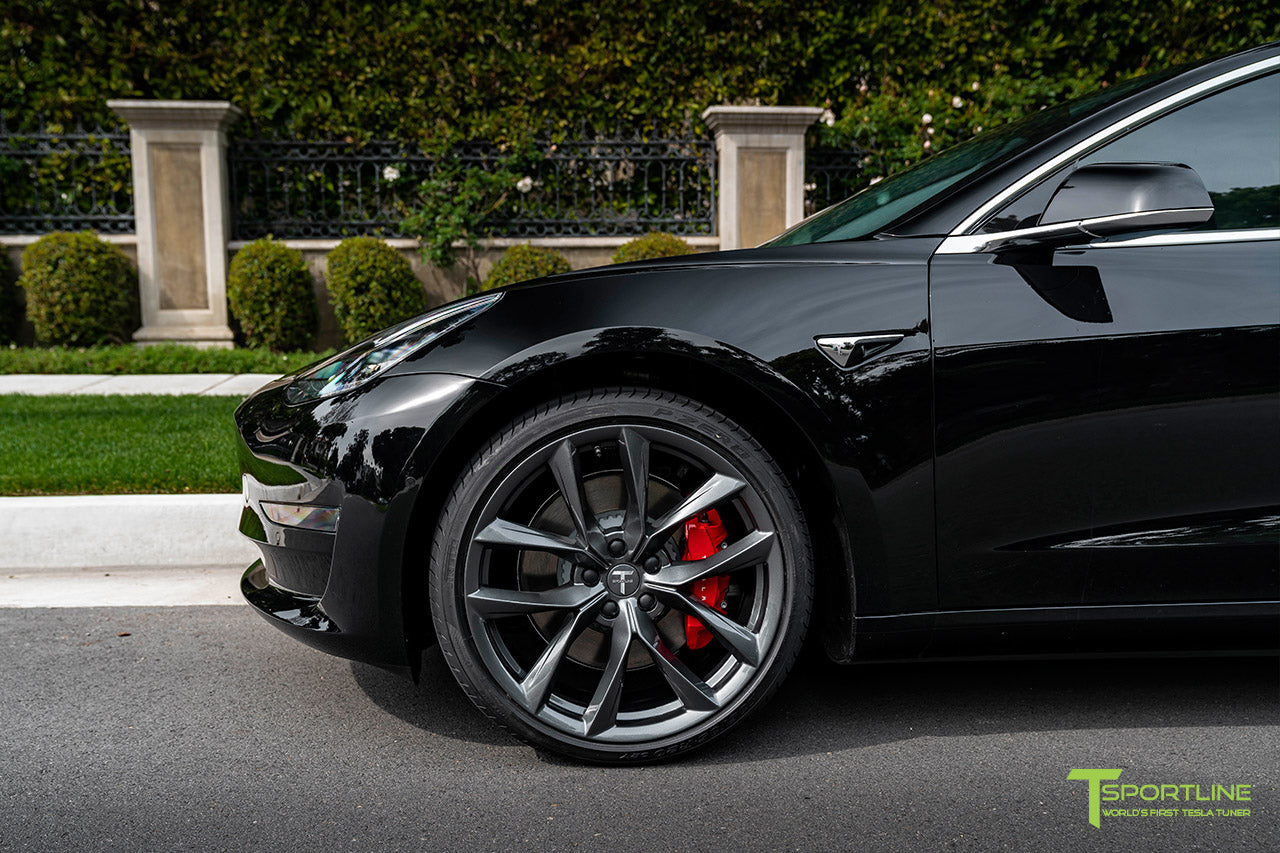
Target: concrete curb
<point>205,384</point>
<point>112,531</point>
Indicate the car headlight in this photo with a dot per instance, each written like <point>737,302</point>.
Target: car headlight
<point>371,357</point>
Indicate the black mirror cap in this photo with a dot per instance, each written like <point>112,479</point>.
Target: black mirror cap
<point>1115,189</point>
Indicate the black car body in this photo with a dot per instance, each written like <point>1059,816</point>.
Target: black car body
<point>1038,442</point>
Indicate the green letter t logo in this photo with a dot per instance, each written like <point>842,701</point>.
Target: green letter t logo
<point>1095,778</point>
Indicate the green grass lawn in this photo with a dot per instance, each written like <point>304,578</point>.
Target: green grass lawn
<point>161,358</point>
<point>116,444</point>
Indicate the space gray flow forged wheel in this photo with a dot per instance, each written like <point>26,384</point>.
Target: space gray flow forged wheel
<point>576,597</point>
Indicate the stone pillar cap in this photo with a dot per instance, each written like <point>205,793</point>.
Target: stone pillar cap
<point>744,119</point>
<point>176,115</point>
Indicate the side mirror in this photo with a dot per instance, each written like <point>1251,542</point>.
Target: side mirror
<point>1113,198</point>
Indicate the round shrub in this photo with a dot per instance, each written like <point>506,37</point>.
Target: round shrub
<point>80,290</point>
<point>371,286</point>
<point>655,244</point>
<point>523,262</point>
<point>10,310</point>
<point>270,294</point>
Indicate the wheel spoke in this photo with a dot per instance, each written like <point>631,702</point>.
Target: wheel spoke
<point>602,713</point>
<point>716,489</point>
<point>537,681</point>
<point>741,642</point>
<point>507,534</point>
<point>633,448</point>
<point>492,602</point>
<point>689,689</point>
<point>564,467</point>
<point>750,550</point>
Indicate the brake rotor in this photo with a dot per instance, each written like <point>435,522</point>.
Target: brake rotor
<point>539,570</point>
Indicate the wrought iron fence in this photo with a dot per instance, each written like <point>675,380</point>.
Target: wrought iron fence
<point>831,175</point>
<point>619,185</point>
<point>55,178</point>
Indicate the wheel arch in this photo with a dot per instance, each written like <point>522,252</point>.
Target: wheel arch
<point>743,397</point>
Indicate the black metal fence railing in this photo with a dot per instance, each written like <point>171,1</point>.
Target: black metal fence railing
<point>61,178</point>
<point>55,178</point>
<point>831,175</point>
<point>605,186</point>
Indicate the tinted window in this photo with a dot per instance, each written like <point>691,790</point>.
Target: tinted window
<point>873,209</point>
<point>1231,139</point>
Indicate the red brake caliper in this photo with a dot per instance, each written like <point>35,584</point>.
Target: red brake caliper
<point>703,536</point>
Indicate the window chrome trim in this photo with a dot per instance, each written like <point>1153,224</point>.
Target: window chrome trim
<point>977,244</point>
<point>1105,135</point>
<point>1193,238</point>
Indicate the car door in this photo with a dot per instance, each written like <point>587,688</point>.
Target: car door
<point>1108,414</point>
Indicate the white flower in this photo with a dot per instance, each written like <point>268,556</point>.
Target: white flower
<point>927,118</point>
<point>929,131</point>
<point>957,102</point>
<point>524,184</point>
<point>390,174</point>
<point>978,129</point>
<point>876,180</point>
<point>927,145</point>
<point>862,88</point>
<point>974,85</point>
<point>828,118</point>
<point>810,187</point>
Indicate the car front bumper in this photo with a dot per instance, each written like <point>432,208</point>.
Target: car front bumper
<point>357,463</point>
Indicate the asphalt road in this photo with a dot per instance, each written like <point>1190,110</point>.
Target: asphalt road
<point>206,729</point>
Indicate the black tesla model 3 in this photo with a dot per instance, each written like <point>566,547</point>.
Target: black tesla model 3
<point>1021,399</point>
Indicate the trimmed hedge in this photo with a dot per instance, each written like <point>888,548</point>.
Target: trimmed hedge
<point>269,291</point>
<point>371,286</point>
<point>10,310</point>
<point>655,244</point>
<point>329,68</point>
<point>523,262</point>
<point>80,290</point>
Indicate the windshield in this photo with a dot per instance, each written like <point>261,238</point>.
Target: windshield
<point>871,210</point>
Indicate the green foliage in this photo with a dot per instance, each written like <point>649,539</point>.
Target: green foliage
<point>371,286</point>
<point>157,358</point>
<point>523,262</point>
<point>10,309</point>
<point>148,444</point>
<point>655,244</point>
<point>448,69</point>
<point>80,290</point>
<point>455,206</point>
<point>42,177</point>
<point>269,290</point>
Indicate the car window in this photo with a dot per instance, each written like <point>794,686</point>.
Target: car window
<point>1231,139</point>
<point>872,210</point>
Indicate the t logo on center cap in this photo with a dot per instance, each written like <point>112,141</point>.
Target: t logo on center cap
<point>623,580</point>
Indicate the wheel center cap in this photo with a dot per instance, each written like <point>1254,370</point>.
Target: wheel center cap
<point>622,580</point>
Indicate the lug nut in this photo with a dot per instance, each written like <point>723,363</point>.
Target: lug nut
<point>617,548</point>
<point>647,601</point>
<point>651,565</point>
<point>610,609</point>
<point>591,577</point>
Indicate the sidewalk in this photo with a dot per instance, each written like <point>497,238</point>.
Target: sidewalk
<point>205,384</point>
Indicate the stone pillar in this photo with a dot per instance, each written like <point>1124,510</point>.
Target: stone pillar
<point>182,210</point>
<point>761,170</point>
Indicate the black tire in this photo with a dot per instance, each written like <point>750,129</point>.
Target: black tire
<point>600,668</point>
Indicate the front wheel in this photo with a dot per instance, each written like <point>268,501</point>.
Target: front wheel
<point>621,576</point>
